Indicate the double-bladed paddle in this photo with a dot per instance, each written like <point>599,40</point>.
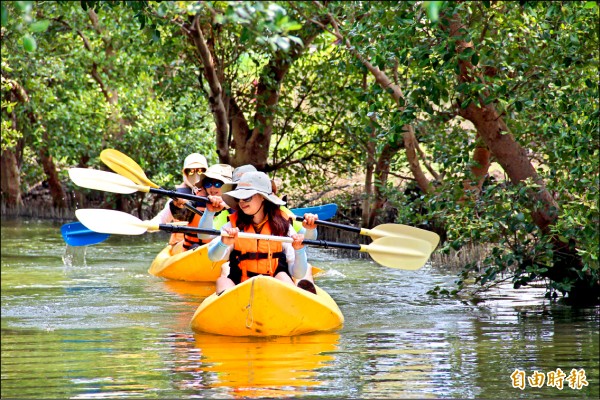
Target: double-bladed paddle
<point>76,234</point>
<point>127,167</point>
<point>386,230</point>
<point>393,252</point>
<point>111,182</point>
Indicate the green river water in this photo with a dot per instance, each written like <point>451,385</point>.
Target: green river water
<point>91,323</point>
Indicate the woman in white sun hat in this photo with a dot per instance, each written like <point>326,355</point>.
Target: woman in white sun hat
<point>306,227</point>
<point>193,166</point>
<point>257,211</point>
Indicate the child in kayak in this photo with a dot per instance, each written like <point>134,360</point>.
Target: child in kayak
<point>257,211</point>
<point>215,181</point>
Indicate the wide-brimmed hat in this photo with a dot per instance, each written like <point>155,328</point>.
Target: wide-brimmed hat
<point>219,172</point>
<point>241,170</point>
<point>250,184</point>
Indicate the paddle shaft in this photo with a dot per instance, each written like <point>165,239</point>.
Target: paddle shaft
<point>334,225</point>
<point>402,253</point>
<point>193,209</point>
<point>174,194</point>
<point>242,235</point>
<point>318,243</point>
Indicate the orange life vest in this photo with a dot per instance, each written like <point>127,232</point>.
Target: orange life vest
<point>191,240</point>
<point>256,256</point>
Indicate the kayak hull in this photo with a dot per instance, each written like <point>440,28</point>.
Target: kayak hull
<point>192,265</point>
<point>265,306</point>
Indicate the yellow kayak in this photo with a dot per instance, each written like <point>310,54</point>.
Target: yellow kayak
<point>265,306</point>
<point>192,265</point>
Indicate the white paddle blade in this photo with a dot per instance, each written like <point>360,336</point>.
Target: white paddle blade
<point>403,231</point>
<point>400,253</point>
<point>111,221</point>
<point>102,180</point>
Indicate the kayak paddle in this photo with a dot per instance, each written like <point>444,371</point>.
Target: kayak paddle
<point>76,234</point>
<point>393,252</point>
<point>386,230</point>
<point>126,166</point>
<point>111,182</point>
<point>325,211</point>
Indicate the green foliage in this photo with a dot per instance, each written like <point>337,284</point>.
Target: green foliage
<point>156,119</point>
<point>18,15</point>
<point>535,63</point>
<point>539,65</point>
<point>263,23</point>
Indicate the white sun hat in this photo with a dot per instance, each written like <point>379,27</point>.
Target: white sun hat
<point>193,161</point>
<point>241,170</point>
<point>219,172</point>
<point>250,184</point>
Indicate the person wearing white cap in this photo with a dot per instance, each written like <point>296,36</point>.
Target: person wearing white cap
<point>257,211</point>
<point>193,166</point>
<point>216,181</point>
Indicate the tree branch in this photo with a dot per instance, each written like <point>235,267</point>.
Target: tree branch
<point>215,99</point>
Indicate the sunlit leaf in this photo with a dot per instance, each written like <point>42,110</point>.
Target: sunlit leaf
<point>4,15</point>
<point>29,43</point>
<point>39,26</point>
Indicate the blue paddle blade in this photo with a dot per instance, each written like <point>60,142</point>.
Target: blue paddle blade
<point>325,212</point>
<point>76,234</point>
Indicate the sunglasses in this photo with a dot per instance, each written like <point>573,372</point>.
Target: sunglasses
<point>192,171</point>
<point>216,184</point>
<point>246,200</point>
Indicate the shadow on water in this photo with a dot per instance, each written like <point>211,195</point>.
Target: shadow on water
<point>92,323</point>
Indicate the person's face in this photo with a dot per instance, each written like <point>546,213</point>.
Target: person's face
<point>213,187</point>
<point>251,205</point>
<point>199,191</point>
<point>192,175</point>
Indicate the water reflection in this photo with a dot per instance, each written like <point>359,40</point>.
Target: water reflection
<point>107,329</point>
<point>196,291</point>
<point>265,367</point>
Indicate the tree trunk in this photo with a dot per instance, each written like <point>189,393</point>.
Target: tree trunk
<point>56,190</point>
<point>409,139</point>
<point>369,168</point>
<point>11,179</point>
<point>472,186</point>
<point>237,141</point>
<point>382,172</point>
<point>493,131</point>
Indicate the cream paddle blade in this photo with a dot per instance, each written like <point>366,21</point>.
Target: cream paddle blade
<point>398,230</point>
<point>102,180</point>
<point>386,230</point>
<point>111,182</point>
